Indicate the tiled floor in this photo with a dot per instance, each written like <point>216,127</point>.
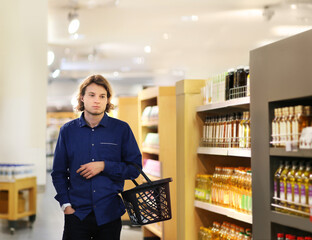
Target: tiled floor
<point>49,221</point>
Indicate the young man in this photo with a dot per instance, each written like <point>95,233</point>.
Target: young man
<point>92,160</point>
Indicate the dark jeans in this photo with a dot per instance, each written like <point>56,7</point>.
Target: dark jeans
<point>87,229</point>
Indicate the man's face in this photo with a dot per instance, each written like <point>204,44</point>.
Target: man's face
<point>95,99</point>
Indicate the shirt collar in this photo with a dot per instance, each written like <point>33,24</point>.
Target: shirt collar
<point>103,122</point>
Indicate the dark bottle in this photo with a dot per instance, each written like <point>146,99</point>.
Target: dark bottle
<point>241,81</point>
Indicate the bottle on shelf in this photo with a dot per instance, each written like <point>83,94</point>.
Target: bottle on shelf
<point>283,185</point>
<point>247,140</point>
<point>298,180</point>
<point>277,178</point>
<point>283,126</point>
<point>289,121</point>
<point>290,183</point>
<point>304,188</point>
<point>280,236</point>
<point>274,128</point>
<point>242,131</point>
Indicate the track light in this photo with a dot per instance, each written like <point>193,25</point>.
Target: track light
<point>74,22</point>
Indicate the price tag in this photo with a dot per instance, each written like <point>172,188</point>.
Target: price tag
<point>288,146</point>
<point>310,213</point>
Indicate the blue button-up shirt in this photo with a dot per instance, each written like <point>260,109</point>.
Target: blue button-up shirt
<point>112,141</point>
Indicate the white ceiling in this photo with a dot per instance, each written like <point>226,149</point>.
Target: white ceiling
<point>113,34</point>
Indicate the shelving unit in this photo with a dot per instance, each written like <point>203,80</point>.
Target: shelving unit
<point>280,74</point>
<point>194,159</point>
<point>127,110</point>
<point>247,218</point>
<point>165,126</point>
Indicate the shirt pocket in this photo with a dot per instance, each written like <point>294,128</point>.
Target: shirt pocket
<point>109,150</point>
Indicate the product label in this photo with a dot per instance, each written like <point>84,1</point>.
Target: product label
<point>282,191</point>
<point>295,130</point>
<point>289,193</point>
<point>296,193</point>
<point>310,194</point>
<point>275,188</point>
<point>303,199</point>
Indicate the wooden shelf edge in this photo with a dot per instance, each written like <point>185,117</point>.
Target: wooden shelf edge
<point>234,152</point>
<point>150,150</point>
<point>226,104</point>
<point>154,230</point>
<point>282,152</point>
<point>151,123</point>
<point>231,213</point>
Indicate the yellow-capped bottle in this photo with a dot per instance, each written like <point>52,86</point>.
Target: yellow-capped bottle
<point>283,185</point>
<point>298,181</point>
<point>277,178</point>
<point>304,188</point>
<point>291,185</point>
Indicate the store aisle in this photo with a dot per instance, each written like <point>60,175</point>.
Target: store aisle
<point>49,221</point>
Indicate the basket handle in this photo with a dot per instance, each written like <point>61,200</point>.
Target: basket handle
<point>144,175</point>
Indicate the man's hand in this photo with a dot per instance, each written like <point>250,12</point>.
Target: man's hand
<point>91,169</point>
<point>69,210</point>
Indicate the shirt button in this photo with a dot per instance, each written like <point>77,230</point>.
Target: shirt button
<point>94,206</point>
<point>92,159</point>
<point>93,190</point>
<point>92,144</point>
<point>92,130</point>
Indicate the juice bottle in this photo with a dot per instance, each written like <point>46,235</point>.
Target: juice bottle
<point>210,132</point>
<point>201,233</point>
<point>215,231</point>
<point>274,122</point>
<point>283,126</point>
<point>307,114</point>
<point>249,192</point>
<point>283,185</point>
<point>278,127</point>
<point>291,184</point>
<point>277,177</point>
<point>241,132</point>
<point>280,236</point>
<point>247,131</point>
<point>296,123</point>
<point>304,188</point>
<point>310,190</point>
<point>235,129</point>
<point>298,181</point>
<point>289,121</point>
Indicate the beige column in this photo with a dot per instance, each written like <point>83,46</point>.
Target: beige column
<point>23,83</point>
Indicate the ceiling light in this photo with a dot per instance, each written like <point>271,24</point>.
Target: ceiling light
<point>74,22</point>
<point>293,6</point>
<point>147,49</point>
<point>116,74</point>
<point>50,57</point>
<point>56,73</point>
<point>166,36</point>
<point>138,60</point>
<point>192,18</point>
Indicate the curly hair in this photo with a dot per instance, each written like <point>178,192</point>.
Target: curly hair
<point>99,80</point>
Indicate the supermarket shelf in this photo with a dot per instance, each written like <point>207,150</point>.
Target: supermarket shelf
<point>152,123</point>
<point>154,230</point>
<point>231,213</point>
<point>237,103</point>
<point>282,152</point>
<point>150,150</point>
<point>236,152</point>
<point>291,221</point>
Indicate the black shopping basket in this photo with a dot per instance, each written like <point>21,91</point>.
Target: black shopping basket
<point>149,202</point>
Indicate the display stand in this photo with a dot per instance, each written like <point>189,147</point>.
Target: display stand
<point>280,77</point>
<point>165,126</point>
<point>127,111</point>
<point>194,159</point>
<point>13,187</point>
